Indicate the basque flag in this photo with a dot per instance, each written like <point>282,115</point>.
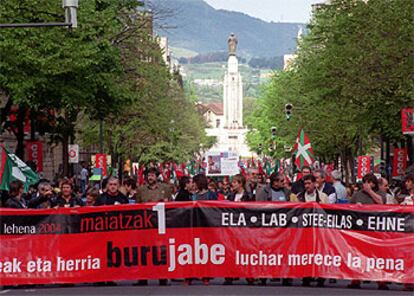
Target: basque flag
<point>303,150</point>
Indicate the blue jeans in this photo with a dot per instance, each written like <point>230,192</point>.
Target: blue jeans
<point>83,188</point>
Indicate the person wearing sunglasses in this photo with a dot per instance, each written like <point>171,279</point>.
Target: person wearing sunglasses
<point>275,190</point>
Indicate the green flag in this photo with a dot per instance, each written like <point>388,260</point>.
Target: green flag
<point>268,167</point>
<point>13,168</point>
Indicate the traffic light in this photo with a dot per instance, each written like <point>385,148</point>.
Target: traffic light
<point>273,129</point>
<point>288,110</point>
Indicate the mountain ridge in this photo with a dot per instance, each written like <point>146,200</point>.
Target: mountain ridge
<point>202,28</point>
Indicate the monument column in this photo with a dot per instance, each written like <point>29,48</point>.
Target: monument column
<point>233,89</point>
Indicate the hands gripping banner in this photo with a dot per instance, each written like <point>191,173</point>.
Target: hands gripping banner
<point>206,239</point>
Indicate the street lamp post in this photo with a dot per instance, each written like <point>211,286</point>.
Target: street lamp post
<point>71,19</point>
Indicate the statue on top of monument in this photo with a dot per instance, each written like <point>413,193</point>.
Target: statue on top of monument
<point>232,41</point>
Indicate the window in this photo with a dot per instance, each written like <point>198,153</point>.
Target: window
<point>217,122</point>
<point>233,137</point>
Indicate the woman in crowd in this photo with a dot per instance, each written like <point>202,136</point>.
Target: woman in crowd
<point>239,194</point>
<point>91,196</point>
<point>212,186</point>
<point>238,189</point>
<point>201,189</point>
<point>15,200</point>
<point>129,188</point>
<point>201,193</point>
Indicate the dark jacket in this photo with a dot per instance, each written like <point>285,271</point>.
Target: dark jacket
<point>254,189</point>
<point>209,195</point>
<point>183,195</point>
<point>328,189</point>
<point>40,201</point>
<point>59,201</point>
<point>298,187</point>
<point>246,196</point>
<point>15,203</point>
<point>106,199</point>
<point>265,194</point>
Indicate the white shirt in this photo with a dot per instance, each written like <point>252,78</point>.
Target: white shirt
<point>310,197</point>
<point>84,174</point>
<point>408,200</point>
<point>238,196</point>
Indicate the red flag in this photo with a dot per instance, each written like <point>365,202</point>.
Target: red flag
<point>141,179</point>
<point>303,150</point>
<point>259,165</point>
<point>161,169</point>
<point>329,168</point>
<point>243,172</point>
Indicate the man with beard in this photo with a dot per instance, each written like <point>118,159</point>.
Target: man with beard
<point>152,190</point>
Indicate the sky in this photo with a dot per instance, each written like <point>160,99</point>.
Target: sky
<point>289,11</point>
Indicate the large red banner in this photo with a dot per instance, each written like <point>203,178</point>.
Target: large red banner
<point>207,239</point>
<point>399,163</point>
<point>35,153</point>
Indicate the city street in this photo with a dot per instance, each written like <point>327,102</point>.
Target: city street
<point>215,288</point>
<point>213,147</point>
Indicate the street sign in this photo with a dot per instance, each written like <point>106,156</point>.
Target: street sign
<point>73,152</point>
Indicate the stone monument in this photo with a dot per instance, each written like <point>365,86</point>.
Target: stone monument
<point>231,137</point>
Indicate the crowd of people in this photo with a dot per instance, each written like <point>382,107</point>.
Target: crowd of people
<point>313,186</point>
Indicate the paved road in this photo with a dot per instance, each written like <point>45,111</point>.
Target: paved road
<point>215,288</point>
